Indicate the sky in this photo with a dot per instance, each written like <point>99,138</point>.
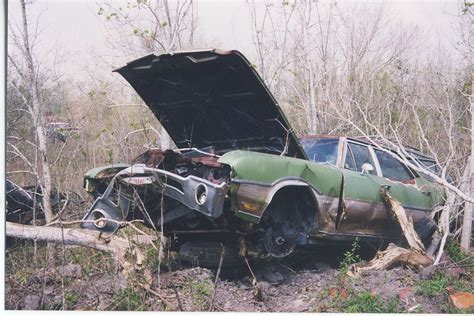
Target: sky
<point>75,27</point>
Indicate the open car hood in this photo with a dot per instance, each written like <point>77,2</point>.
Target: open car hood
<point>212,98</point>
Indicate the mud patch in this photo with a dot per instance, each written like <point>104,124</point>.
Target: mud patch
<point>305,282</point>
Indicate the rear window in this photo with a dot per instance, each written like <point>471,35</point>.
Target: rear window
<point>321,150</point>
<point>431,165</point>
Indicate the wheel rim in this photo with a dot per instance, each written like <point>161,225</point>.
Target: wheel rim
<point>277,243</point>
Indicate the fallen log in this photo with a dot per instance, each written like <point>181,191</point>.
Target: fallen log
<point>391,257</point>
<point>406,223</point>
<point>125,252</point>
<point>394,255</point>
<point>117,246</point>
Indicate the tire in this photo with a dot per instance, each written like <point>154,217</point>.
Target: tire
<point>207,254</point>
<point>425,228</point>
<point>290,217</point>
<point>278,249</point>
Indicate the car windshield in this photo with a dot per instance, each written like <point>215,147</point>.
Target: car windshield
<point>321,150</point>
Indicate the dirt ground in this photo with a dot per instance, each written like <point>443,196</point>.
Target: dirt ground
<point>309,281</point>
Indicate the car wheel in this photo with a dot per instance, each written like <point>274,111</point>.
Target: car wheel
<point>207,254</point>
<point>425,229</point>
<point>277,243</point>
<point>290,217</point>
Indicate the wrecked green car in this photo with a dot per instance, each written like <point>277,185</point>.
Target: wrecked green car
<point>239,174</point>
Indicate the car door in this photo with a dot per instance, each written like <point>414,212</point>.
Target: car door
<point>362,210</point>
<point>366,212</point>
<point>406,187</point>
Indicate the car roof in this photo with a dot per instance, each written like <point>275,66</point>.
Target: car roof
<point>355,138</point>
<point>362,139</point>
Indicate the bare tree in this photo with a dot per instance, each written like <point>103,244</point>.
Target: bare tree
<point>27,87</point>
<point>307,50</point>
<point>151,26</point>
<point>354,70</point>
<point>140,27</point>
<point>468,41</point>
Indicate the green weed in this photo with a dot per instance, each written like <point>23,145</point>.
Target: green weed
<point>128,299</point>
<point>200,291</point>
<point>110,156</point>
<point>365,302</point>
<point>454,251</point>
<point>436,286</point>
<point>355,302</point>
<point>334,302</point>
<point>350,257</point>
<point>91,261</point>
<point>71,299</point>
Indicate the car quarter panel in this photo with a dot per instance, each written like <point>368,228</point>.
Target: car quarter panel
<point>365,211</point>
<point>256,177</point>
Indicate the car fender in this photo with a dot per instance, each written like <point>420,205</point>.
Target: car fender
<point>251,199</point>
<point>101,174</point>
<point>257,177</point>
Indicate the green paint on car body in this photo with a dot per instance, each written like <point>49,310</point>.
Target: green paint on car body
<point>107,169</point>
<point>268,169</point>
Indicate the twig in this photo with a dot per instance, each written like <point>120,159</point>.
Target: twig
<point>287,267</point>
<point>250,269</point>
<point>80,221</point>
<point>180,306</point>
<point>413,307</point>
<point>258,292</point>
<point>197,150</point>
<point>147,288</point>
<point>221,260</point>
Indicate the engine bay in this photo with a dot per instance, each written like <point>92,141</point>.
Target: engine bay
<point>199,163</point>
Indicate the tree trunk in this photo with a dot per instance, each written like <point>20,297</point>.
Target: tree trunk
<point>393,255</point>
<point>69,236</point>
<point>443,224</point>
<point>406,224</point>
<point>35,110</point>
<point>468,207</point>
<point>383,260</point>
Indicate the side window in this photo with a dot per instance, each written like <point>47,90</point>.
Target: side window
<point>392,168</point>
<point>361,155</point>
<point>349,162</point>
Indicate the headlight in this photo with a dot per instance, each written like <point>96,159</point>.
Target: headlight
<point>201,194</point>
<point>99,218</point>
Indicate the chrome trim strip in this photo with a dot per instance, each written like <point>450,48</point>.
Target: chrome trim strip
<point>302,182</point>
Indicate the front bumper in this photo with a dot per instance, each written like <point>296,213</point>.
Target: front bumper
<point>193,192</point>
